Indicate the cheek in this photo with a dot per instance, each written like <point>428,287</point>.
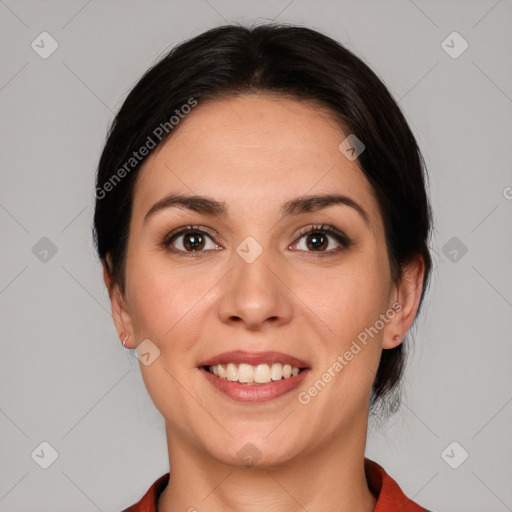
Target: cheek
<point>350,298</point>
<point>165,304</point>
<point>158,302</point>
<point>351,306</point>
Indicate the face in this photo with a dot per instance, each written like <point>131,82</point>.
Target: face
<point>255,280</point>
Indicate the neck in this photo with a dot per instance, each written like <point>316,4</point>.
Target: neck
<point>329,477</point>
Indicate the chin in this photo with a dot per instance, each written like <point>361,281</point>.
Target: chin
<point>256,455</point>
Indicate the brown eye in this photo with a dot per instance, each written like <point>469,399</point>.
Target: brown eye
<point>189,239</point>
<point>193,241</point>
<point>318,239</point>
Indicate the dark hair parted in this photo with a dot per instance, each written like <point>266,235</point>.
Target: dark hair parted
<point>300,63</point>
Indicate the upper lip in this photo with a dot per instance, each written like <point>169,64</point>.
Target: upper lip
<point>254,358</point>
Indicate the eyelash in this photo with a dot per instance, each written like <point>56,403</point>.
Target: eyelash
<point>340,237</point>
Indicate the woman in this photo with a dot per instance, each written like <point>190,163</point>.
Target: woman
<point>263,226</point>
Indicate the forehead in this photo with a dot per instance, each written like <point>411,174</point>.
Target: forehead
<point>254,152</point>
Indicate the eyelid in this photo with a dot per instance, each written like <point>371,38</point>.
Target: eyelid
<point>320,227</point>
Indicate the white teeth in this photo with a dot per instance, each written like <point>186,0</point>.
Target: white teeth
<point>231,372</point>
<point>245,373</point>
<point>262,374</point>
<point>276,371</point>
<point>249,374</point>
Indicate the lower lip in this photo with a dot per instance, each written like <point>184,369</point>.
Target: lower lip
<point>255,392</point>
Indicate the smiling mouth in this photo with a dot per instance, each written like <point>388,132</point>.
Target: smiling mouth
<point>254,374</point>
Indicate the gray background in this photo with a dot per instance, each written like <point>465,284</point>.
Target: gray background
<point>66,379</point>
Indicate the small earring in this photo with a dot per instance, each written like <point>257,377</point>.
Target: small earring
<point>124,341</point>
<point>397,337</point>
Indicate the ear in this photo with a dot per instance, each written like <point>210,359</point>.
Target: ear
<point>120,314</point>
<point>405,299</point>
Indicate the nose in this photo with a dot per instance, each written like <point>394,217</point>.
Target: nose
<point>255,293</point>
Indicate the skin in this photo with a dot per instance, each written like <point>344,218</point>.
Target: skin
<point>255,152</point>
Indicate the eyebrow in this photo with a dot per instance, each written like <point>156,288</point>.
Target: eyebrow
<point>297,206</point>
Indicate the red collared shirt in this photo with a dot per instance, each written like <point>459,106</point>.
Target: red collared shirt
<point>390,497</point>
